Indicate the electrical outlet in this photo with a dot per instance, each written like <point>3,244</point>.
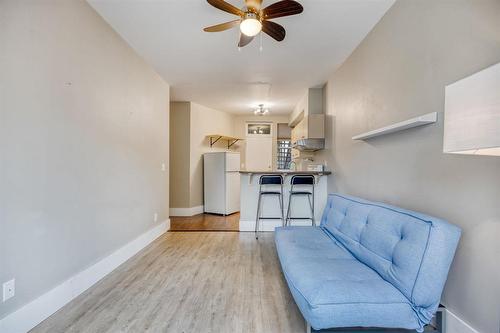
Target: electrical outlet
<point>155,217</point>
<point>9,289</point>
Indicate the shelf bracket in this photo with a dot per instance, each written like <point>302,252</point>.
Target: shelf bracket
<point>212,141</point>
<point>229,144</point>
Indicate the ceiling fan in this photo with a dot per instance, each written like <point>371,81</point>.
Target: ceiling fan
<point>254,19</point>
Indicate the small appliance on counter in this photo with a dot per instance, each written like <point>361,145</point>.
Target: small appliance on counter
<point>316,167</point>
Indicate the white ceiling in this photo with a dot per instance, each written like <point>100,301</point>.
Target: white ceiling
<point>207,68</point>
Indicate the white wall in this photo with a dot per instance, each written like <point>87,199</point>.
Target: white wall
<point>83,134</point>
<point>398,72</point>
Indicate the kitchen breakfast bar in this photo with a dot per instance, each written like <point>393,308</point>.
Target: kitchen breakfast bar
<point>270,206</point>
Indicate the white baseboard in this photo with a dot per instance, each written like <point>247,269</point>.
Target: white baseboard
<point>33,313</point>
<point>269,225</point>
<point>456,325</point>
<point>187,211</point>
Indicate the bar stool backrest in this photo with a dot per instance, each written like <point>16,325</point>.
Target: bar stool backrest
<point>302,180</point>
<point>271,180</point>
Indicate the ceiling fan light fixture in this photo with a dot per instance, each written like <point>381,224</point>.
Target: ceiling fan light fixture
<point>253,19</point>
<point>250,26</point>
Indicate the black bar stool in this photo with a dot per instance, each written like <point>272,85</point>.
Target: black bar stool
<point>302,181</point>
<point>267,186</point>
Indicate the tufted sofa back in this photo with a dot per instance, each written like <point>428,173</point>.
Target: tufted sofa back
<point>411,251</point>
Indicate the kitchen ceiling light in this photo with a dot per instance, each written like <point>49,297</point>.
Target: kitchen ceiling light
<point>261,111</point>
<point>250,26</point>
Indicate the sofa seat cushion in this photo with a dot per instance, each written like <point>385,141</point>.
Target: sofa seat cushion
<point>309,242</point>
<point>332,288</point>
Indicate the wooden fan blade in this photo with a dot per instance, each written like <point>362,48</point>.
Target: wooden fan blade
<point>222,5</point>
<point>282,8</point>
<point>222,26</point>
<point>274,30</point>
<point>244,40</point>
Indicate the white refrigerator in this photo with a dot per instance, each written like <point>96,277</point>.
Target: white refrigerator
<point>221,179</point>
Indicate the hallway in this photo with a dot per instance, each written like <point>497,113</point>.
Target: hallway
<point>205,222</point>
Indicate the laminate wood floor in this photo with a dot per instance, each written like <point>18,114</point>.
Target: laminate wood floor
<point>188,282</point>
<point>205,222</point>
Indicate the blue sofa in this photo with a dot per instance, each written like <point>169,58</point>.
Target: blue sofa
<point>367,265</point>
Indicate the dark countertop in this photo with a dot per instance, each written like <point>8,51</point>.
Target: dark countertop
<point>285,172</point>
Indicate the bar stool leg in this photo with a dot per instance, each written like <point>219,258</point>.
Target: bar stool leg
<point>311,203</point>
<point>257,219</point>
<point>287,221</point>
<point>314,218</point>
<point>281,207</point>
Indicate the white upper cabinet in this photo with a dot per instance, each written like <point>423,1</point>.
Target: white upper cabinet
<point>311,103</point>
<point>307,118</point>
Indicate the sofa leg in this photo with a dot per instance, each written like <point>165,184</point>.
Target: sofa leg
<point>308,328</point>
<point>441,319</point>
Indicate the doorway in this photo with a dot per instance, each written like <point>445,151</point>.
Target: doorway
<point>259,146</point>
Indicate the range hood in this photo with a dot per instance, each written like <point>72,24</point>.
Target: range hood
<point>309,144</point>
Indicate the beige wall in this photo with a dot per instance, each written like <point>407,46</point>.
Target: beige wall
<point>180,123</point>
<point>83,134</point>
<point>205,121</point>
<point>399,71</point>
<point>190,124</point>
<point>240,131</point>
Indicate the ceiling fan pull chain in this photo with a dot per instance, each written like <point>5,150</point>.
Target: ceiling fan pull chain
<point>260,48</point>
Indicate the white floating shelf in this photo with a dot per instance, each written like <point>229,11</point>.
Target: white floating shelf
<point>403,125</point>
